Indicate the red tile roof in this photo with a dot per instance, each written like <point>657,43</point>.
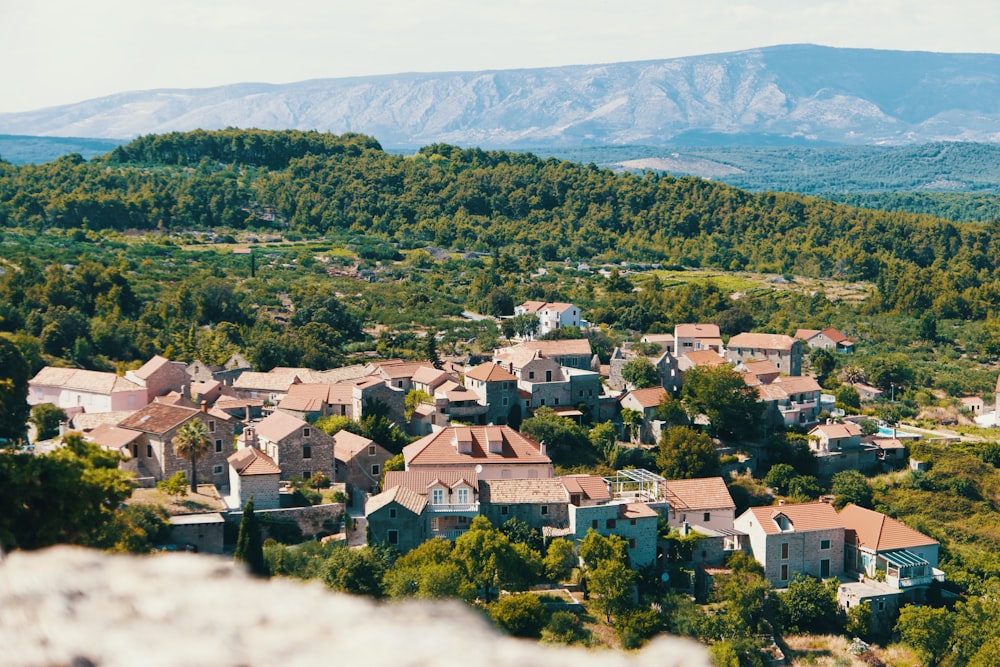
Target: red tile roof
<point>878,532</point>
<point>705,358</point>
<point>490,372</point>
<point>593,487</point>
<point>704,493</point>
<point>158,418</point>
<point>647,398</point>
<point>74,378</point>
<point>803,517</point>
<point>347,444</point>
<point>112,437</point>
<point>439,448</point>
<point>403,496</point>
<point>845,430</point>
<point>278,425</point>
<point>697,331</point>
<point>419,482</point>
<point>148,369</point>
<point>252,461</point>
<point>762,341</point>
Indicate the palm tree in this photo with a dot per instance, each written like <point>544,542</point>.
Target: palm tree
<point>191,442</point>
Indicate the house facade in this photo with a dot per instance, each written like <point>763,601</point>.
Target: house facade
<point>827,339</point>
<point>252,474</point>
<point>696,338</point>
<point>297,447</point>
<point>497,390</point>
<point>358,461</point>
<point>396,517</point>
<point>703,502</point>
<point>645,401</point>
<point>793,538</point>
<point>93,391</point>
<point>490,452</point>
<point>838,447</point>
<point>540,503</point>
<point>551,316</point>
<point>636,523</point>
<point>784,352</point>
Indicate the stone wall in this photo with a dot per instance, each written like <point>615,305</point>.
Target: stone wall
<point>70,606</point>
<point>310,520</point>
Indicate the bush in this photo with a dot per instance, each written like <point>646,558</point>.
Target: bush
<point>319,481</point>
<point>635,627</point>
<point>520,615</point>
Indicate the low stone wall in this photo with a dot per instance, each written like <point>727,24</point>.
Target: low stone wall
<point>312,521</point>
<point>68,606</point>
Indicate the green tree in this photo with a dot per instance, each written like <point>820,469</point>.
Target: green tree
<point>429,571</point>
<point>249,544</point>
<point>413,398</point>
<point>488,558</point>
<point>890,371</point>
<point>355,571</point>
<point>14,376</point>
<point>779,477</point>
<point>46,417</point>
<point>810,605</point>
<point>847,398</point>
<point>632,420</point>
<point>850,486</point>
<point>560,559</point>
<point>556,431</point>
<point>612,586</point>
<point>859,621</point>
<point>640,373</point>
<point>927,631</point>
<point>686,453</point>
<point>721,394</point>
<point>635,626</point>
<point>671,411</point>
<point>176,485</point>
<point>604,438</point>
<point>596,548</point>
<point>928,327</point>
<point>823,363</point>
<point>519,532</point>
<point>520,615</point>
<point>191,442</point>
<point>804,488</point>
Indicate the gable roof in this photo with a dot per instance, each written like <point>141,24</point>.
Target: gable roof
<point>878,532</point>
<point>273,380</point>
<point>75,378</point>
<point>347,444</point>
<point>705,358</point>
<point>110,436</point>
<point>802,516</point>
<point>439,448</point>
<point>705,493</point>
<point>490,372</point>
<point>400,495</point>
<point>531,307</point>
<point>763,341</point>
<point>836,336</point>
<point>148,369</point>
<point>278,425</point>
<point>566,347</point>
<point>523,491</point>
<point>647,398</point>
<point>592,487</point>
<point>806,334</point>
<point>158,418</point>
<point>696,331</point>
<point>845,430</point>
<point>252,461</point>
<point>420,481</point>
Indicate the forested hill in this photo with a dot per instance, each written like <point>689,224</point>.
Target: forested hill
<point>470,199</point>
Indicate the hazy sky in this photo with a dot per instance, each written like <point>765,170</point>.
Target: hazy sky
<point>63,51</point>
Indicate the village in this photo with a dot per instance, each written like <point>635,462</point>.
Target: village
<point>467,458</point>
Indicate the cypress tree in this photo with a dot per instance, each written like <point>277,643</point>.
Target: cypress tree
<point>249,545</point>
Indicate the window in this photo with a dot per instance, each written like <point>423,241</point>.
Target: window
<point>463,496</point>
<point>594,524</point>
<point>305,432</point>
<point>707,517</point>
<point>392,513</point>
<point>306,474</point>
<point>218,445</point>
<point>211,426</point>
<point>504,510</point>
<point>631,543</point>
<point>371,450</point>
<point>784,550</point>
<point>548,376</point>
<point>556,401</point>
<point>135,451</point>
<point>824,544</point>
<point>631,522</point>
<point>881,605</point>
<point>307,452</point>
<point>217,470</point>
<point>393,537</point>
<point>543,401</point>
<point>375,470</point>
<point>784,573</point>
<point>531,375</point>
<point>437,496</point>
<point>149,451</point>
<point>609,524</point>
<point>544,510</point>
<point>505,400</point>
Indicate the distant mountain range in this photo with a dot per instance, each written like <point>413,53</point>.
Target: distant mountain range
<point>796,94</point>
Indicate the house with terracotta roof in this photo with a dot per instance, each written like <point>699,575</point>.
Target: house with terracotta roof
<point>497,390</point>
<point>159,376</point>
<point>93,391</point>
<point>791,538</point>
<point>297,447</point>
<point>783,351</point>
<point>881,547</point>
<point>154,451</point>
<point>792,400</point>
<point>396,517</point>
<point>585,490</point>
<point>697,337</point>
<point>704,502</point>
<point>645,401</point>
<point>543,504</point>
<point>636,523</point>
<point>253,474</point>
<point>451,499</point>
<point>663,361</point>
<point>700,358</point>
<point>827,339</point>
<point>358,462</point>
<point>838,446</point>
<point>572,352</point>
<point>551,316</point>
<point>491,452</point>
<point>270,387</point>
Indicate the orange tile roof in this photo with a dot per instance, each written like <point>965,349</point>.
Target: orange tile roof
<point>252,461</point>
<point>647,398</point>
<point>878,532</point>
<point>835,336</point>
<point>419,482</point>
<point>845,430</point>
<point>803,517</point>
<point>438,448</point>
<point>518,491</point>
<point>490,372</point>
<point>559,348</point>
<point>635,511</point>
<point>158,418</point>
<point>798,384</point>
<point>763,341</point>
<point>272,381</point>
<point>705,358</point>
<point>112,437</point>
<point>704,493</point>
<point>278,425</point>
<point>592,486</point>
<point>532,306</point>
<point>403,496</point>
<point>806,334</point>
<point>697,331</point>
<point>74,378</point>
<point>347,444</point>
<point>149,368</point>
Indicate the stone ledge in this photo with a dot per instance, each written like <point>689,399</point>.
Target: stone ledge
<point>68,606</point>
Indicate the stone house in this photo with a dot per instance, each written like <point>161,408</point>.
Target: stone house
<point>551,316</point>
<point>645,401</point>
<point>396,517</point>
<point>297,447</point>
<point>792,400</point>
<point>838,447</point>
<point>358,461</point>
<point>540,503</point>
<point>204,531</point>
<point>827,339</point>
<point>636,523</point>
<point>451,499</point>
<point>253,474</point>
<point>696,338</point>
<point>664,363</point>
<point>586,490</point>
<point>270,387</point>
<point>91,391</point>
<point>159,376</point>
<point>574,353</point>
<point>703,502</point>
<point>792,538</point>
<point>154,452</point>
<point>783,351</point>
<point>497,390</point>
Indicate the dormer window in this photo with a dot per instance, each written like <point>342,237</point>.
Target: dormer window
<point>437,497</point>
<point>783,523</point>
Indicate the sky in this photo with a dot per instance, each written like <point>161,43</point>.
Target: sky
<point>66,51</point>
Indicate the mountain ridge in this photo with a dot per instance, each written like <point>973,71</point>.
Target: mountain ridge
<point>801,93</point>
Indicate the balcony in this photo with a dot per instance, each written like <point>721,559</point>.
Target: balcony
<point>902,583</point>
<point>450,535</point>
<point>466,509</point>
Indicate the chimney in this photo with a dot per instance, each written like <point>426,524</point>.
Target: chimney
<point>204,406</point>
<point>780,502</point>
<point>542,448</point>
<point>248,417</point>
<point>250,437</point>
